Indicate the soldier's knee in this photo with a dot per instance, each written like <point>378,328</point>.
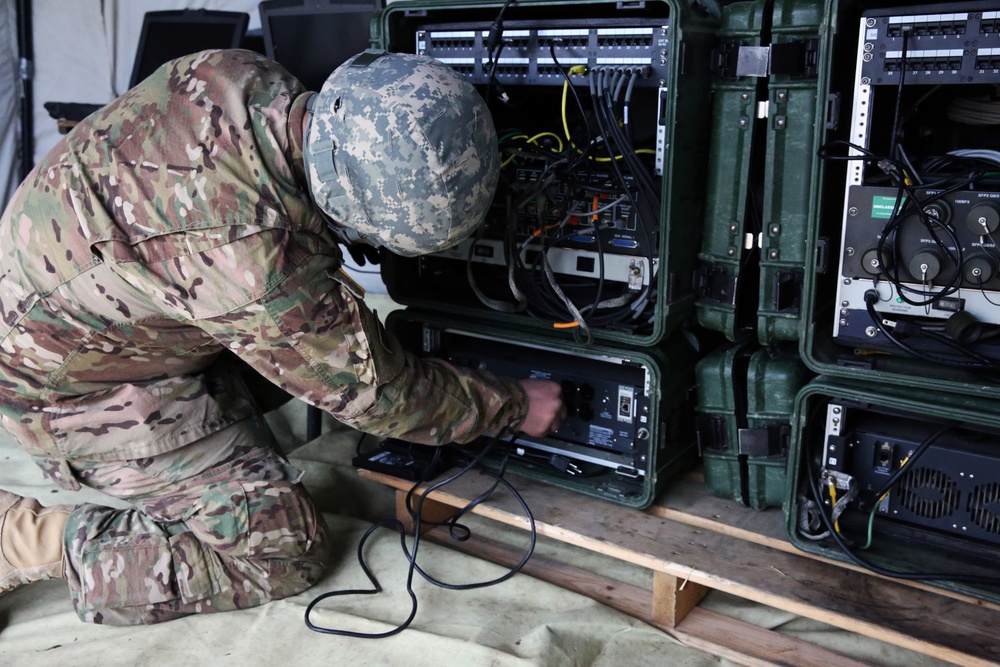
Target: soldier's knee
<point>288,533</point>
<point>290,576</point>
<point>248,543</point>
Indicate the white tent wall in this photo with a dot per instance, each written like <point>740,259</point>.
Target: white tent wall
<point>72,61</point>
<point>84,50</point>
<point>10,88</point>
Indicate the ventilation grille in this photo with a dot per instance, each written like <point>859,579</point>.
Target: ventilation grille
<point>928,493</point>
<point>984,507</point>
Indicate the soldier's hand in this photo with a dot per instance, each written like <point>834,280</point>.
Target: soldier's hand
<point>362,252</point>
<point>546,409</point>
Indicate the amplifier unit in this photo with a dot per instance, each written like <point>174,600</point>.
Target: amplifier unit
<point>952,486</point>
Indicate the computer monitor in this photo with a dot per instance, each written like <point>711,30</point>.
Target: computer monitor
<point>311,38</point>
<point>171,34</point>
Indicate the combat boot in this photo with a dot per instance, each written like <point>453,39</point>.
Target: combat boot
<point>31,541</point>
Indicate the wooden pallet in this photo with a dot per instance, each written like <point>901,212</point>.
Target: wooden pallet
<point>693,542</point>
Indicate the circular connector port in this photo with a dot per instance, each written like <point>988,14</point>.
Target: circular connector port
<point>983,219</point>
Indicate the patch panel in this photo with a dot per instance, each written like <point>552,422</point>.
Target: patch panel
<point>943,43</point>
<point>988,58</point>
<point>531,53</point>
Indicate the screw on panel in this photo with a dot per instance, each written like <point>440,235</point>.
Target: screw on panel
<point>849,252</point>
<point>853,210</point>
<point>865,81</point>
<point>845,303</point>
<point>871,332</point>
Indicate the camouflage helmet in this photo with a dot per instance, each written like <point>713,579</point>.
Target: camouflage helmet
<point>401,150</point>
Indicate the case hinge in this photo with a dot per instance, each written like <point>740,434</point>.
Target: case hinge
<point>725,58</point>
<point>714,283</point>
<point>798,59</point>
<point>767,441</point>
<point>711,434</point>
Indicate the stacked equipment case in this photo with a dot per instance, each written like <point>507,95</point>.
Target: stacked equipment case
<point>603,137</point>
<point>583,272</point>
<point>894,448</point>
<point>766,110</point>
<point>841,160</point>
<point>753,260</point>
<point>746,395</point>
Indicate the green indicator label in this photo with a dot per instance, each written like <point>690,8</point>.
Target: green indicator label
<point>883,206</point>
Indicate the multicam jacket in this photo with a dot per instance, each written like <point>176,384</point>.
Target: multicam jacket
<point>174,224</point>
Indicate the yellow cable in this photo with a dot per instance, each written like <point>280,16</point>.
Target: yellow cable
<point>833,500</point>
<point>547,134</point>
<point>578,70</point>
<point>901,464</point>
<point>581,70</point>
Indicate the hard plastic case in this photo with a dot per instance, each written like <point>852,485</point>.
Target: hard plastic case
<point>828,206</point>
<point>943,515</point>
<point>675,95</point>
<point>629,426</point>
<point>745,401</point>
<point>766,108</point>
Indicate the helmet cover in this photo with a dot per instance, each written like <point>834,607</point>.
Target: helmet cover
<point>401,150</point>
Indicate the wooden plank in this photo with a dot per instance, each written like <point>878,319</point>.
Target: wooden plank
<point>432,513</point>
<point>674,598</point>
<point>735,640</point>
<point>925,622</point>
<point>688,501</point>
<point>748,644</point>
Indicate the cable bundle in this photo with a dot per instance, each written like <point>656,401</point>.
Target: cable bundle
<point>551,201</point>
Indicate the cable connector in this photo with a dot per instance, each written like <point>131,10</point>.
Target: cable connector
<point>563,464</point>
<point>494,36</point>
<point>905,328</point>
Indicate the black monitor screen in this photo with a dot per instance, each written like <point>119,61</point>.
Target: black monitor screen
<point>311,39</point>
<point>172,34</point>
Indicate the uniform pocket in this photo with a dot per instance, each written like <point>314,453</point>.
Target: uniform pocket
<point>282,520</point>
<point>197,570</point>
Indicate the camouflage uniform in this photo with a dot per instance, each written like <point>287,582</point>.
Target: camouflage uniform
<point>167,228</point>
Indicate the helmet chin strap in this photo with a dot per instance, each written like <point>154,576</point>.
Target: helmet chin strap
<point>348,235</point>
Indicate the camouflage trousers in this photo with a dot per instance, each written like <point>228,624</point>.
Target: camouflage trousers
<point>217,525</point>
